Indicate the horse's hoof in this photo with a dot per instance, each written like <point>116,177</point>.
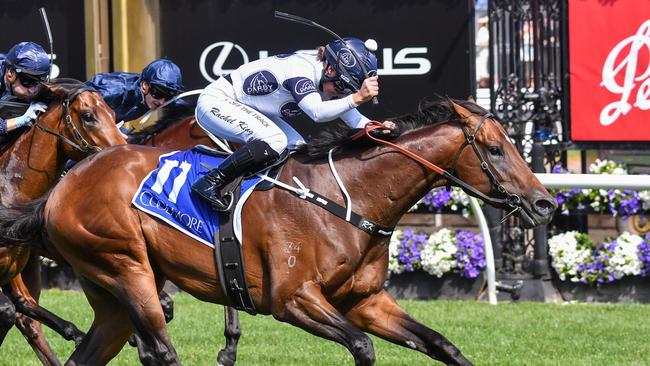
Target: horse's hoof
<point>226,358</point>
<point>132,341</point>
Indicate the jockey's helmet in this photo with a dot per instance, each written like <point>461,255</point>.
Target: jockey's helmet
<point>30,59</point>
<point>339,55</point>
<point>163,74</point>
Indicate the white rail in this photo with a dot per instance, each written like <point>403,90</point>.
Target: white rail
<point>581,181</point>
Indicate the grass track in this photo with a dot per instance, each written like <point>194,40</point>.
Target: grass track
<point>507,334</point>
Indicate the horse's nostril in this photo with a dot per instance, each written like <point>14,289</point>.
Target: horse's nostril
<point>544,207</point>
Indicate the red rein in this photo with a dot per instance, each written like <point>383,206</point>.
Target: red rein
<point>373,125</point>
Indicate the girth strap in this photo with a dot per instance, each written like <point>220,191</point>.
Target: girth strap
<point>229,257</point>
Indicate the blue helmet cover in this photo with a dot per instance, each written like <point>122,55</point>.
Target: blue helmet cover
<point>163,73</point>
<point>29,58</point>
<point>338,55</point>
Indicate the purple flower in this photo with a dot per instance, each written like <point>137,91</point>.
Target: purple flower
<point>409,249</point>
<point>470,256</point>
<point>437,198</point>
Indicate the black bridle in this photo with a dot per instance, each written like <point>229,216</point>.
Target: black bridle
<point>83,145</point>
<point>503,197</point>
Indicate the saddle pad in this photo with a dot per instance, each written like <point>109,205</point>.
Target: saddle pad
<point>166,194</point>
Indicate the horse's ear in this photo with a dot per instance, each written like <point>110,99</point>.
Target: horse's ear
<point>462,112</point>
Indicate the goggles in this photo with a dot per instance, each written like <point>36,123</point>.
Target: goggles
<point>29,81</point>
<point>340,86</point>
<point>158,92</point>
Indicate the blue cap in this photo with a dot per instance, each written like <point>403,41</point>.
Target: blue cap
<point>339,55</point>
<point>163,73</point>
<point>28,58</point>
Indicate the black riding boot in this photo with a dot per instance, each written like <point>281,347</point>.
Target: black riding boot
<point>250,158</point>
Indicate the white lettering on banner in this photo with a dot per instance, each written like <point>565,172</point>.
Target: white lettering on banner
<point>146,199</point>
<point>402,58</point>
<point>628,65</point>
<point>404,62</point>
<point>163,175</point>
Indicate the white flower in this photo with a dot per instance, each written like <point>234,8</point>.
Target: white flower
<point>439,255</point>
<point>565,254</point>
<point>625,259</point>
<point>644,196</point>
<point>394,266</point>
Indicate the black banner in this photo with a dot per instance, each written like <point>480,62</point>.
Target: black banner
<point>21,21</point>
<point>425,47</point>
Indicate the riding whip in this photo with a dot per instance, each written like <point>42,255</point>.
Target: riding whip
<point>48,31</point>
<point>311,23</point>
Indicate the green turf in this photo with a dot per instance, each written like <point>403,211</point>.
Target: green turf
<point>506,334</point>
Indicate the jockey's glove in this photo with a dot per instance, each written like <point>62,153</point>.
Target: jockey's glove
<point>30,116</point>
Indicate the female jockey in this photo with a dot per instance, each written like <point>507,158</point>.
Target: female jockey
<point>25,66</point>
<point>247,106</point>
<point>131,95</point>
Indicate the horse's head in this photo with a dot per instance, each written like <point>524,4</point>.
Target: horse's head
<point>79,117</point>
<point>489,162</point>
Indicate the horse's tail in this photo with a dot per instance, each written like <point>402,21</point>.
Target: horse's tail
<point>23,224</point>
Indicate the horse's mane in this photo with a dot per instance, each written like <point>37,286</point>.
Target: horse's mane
<point>172,115</point>
<point>59,89</point>
<point>430,112</point>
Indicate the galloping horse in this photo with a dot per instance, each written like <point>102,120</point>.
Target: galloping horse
<point>333,286</point>
<point>76,124</point>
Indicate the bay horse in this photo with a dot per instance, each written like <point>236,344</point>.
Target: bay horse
<point>333,287</point>
<point>77,123</point>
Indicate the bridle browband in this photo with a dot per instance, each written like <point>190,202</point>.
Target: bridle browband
<point>83,145</point>
<point>507,198</point>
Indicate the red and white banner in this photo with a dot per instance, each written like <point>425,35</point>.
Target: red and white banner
<point>610,70</point>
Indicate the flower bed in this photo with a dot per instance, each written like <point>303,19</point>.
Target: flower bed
<point>438,253</point>
<point>577,259</point>
<point>615,201</point>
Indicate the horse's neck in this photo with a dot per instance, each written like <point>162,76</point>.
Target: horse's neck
<point>31,165</point>
<point>384,184</point>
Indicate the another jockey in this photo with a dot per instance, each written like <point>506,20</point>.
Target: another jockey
<point>131,95</point>
<point>24,67</point>
<point>248,105</point>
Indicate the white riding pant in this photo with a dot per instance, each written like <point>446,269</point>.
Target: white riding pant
<point>224,117</point>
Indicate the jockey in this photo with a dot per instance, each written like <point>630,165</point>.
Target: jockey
<point>24,67</point>
<point>131,95</point>
<point>248,105</point>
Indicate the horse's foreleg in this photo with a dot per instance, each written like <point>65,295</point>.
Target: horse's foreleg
<point>308,309</point>
<point>109,331</point>
<point>380,315</point>
<point>232,332</point>
<point>33,333</point>
<point>7,316</point>
<point>26,304</point>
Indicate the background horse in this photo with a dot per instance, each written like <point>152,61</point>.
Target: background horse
<point>176,130</point>
<point>79,124</point>
<point>334,286</point>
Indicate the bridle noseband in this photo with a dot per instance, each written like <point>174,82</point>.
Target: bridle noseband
<point>83,146</point>
<point>506,198</point>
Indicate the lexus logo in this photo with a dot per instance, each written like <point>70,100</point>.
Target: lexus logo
<point>402,62</point>
<point>220,52</point>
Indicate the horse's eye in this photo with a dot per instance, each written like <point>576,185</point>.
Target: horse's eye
<point>495,151</point>
<point>87,117</point>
